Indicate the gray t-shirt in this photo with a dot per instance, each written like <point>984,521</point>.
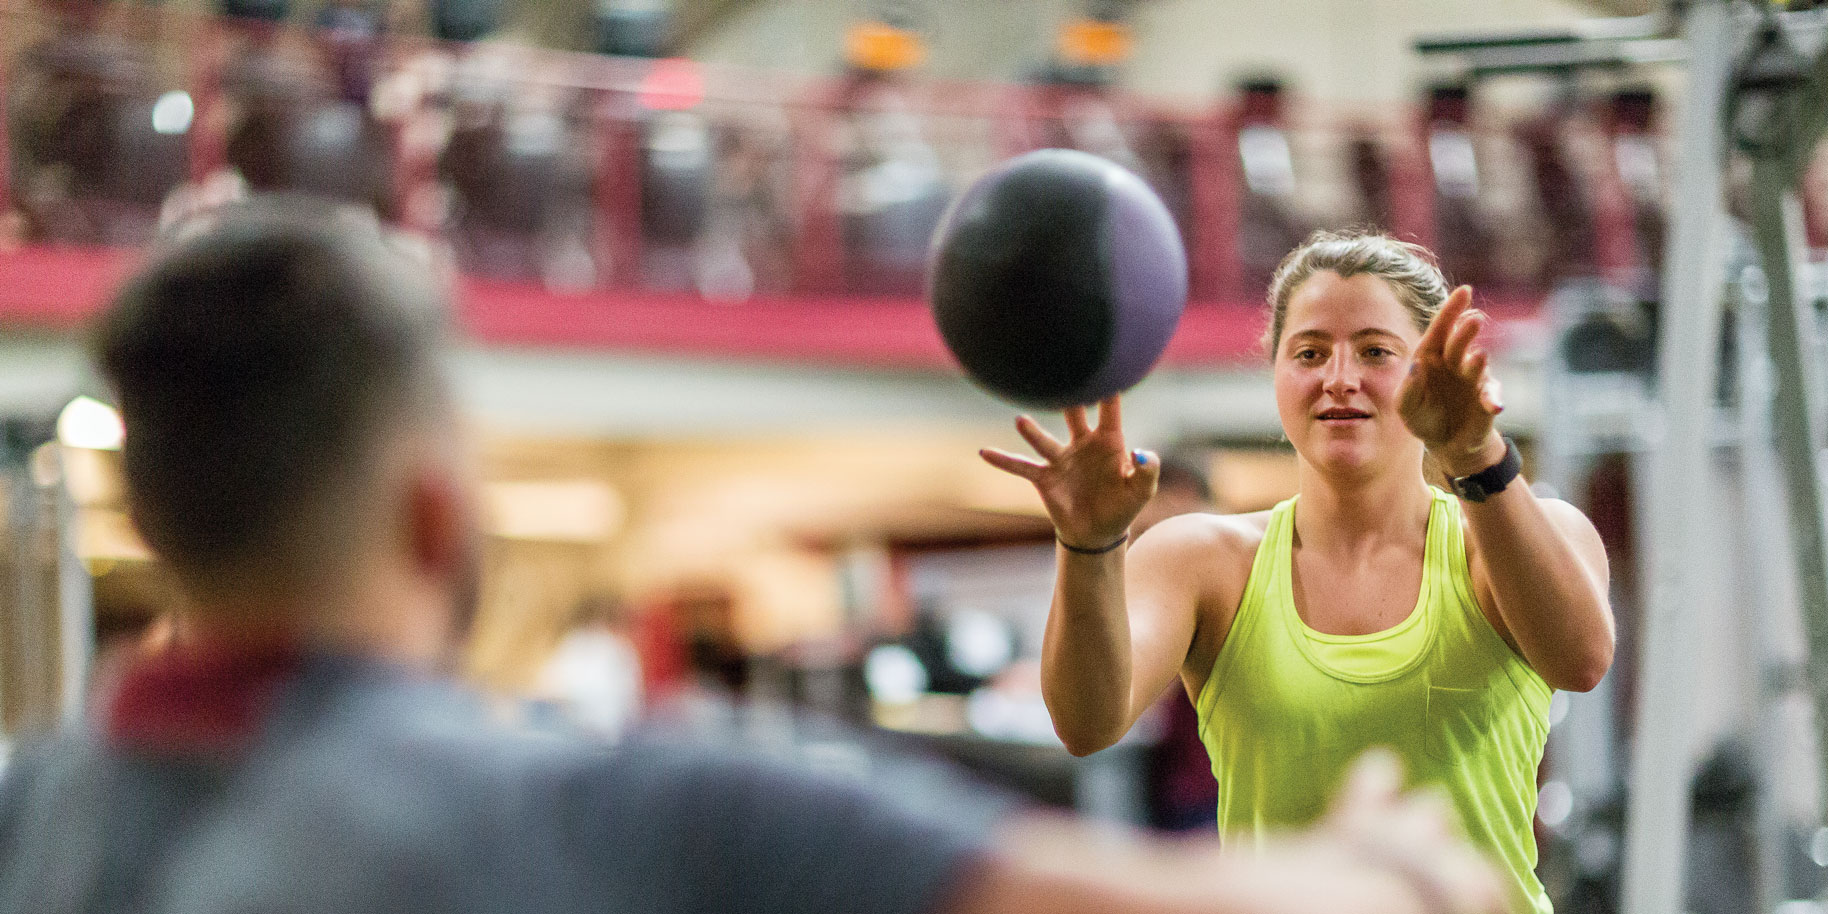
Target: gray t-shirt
<point>369,790</point>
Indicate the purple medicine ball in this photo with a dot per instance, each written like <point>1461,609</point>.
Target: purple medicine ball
<point>1057,279</point>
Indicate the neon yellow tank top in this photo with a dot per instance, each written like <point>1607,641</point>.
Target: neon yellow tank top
<point>1287,708</point>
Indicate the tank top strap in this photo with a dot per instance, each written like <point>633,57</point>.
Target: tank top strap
<point>1274,556</point>
<point>1267,569</point>
<point>1447,564</point>
<point>1459,607</point>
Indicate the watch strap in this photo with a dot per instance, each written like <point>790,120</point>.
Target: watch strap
<point>1493,479</point>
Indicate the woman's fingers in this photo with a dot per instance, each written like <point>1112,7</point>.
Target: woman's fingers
<point>1038,438</point>
<point>1476,370</point>
<point>1465,331</point>
<point>1372,785</point>
<point>1012,463</point>
<point>1491,396</point>
<point>1434,339</point>
<point>1474,363</point>
<point>1414,834</point>
<point>1076,422</point>
<point>1110,415</point>
<point>1147,472</point>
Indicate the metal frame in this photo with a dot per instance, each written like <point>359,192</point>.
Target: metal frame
<point>1791,328</point>
<point>1731,67</point>
<point>1663,756</point>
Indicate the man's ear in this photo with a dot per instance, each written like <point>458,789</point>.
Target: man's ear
<point>438,521</point>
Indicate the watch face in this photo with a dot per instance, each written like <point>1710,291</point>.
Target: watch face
<point>1469,489</point>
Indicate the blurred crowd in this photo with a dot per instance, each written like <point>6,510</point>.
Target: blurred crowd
<point>583,171</point>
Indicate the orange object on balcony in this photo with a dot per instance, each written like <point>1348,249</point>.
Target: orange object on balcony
<point>1095,43</point>
<point>883,48</point>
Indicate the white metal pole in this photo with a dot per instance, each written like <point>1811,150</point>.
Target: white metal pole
<point>1770,641</point>
<point>1581,747</point>
<point>1778,227</point>
<point>75,602</point>
<point>1663,749</point>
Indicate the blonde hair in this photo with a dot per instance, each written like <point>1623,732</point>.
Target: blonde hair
<point>1409,268</point>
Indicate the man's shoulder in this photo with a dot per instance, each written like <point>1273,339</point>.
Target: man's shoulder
<point>418,724</point>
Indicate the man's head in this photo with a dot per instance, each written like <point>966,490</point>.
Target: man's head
<point>279,374</point>
<point>1183,488</point>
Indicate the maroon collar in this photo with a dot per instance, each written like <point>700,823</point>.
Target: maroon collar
<point>206,696</point>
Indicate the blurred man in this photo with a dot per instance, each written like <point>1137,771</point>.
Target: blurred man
<point>592,676</point>
<point>292,454</point>
<point>1183,487</point>
<point>1184,795</point>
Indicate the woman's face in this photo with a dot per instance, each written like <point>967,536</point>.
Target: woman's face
<point>1345,349</point>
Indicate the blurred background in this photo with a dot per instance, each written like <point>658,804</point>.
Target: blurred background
<point>726,452</point>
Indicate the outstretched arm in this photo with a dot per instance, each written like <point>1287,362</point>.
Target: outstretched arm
<point>1538,561</point>
<point>1376,853</point>
<point>1114,640</point>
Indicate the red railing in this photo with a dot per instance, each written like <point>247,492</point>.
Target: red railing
<point>717,185</point>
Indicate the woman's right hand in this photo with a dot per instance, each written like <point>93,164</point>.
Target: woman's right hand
<point>1092,485</point>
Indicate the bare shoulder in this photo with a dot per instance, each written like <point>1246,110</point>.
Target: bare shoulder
<point>1575,528</point>
<point>1223,531</point>
<point>1578,528</point>
<point>1568,520</point>
<point>1224,544</point>
<point>1566,516</point>
<point>1204,560</point>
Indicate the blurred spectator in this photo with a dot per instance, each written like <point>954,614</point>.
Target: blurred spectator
<point>678,177</point>
<point>748,243</point>
<point>1074,108</point>
<point>705,612</point>
<point>1164,152</point>
<point>594,673</point>
<point>1638,157</point>
<point>94,154</point>
<point>1563,196</point>
<point>266,87</point>
<point>1092,125</point>
<point>296,128</point>
<point>1183,794</point>
<point>892,190</point>
<point>1464,240</point>
<point>1269,224</point>
<point>350,33</point>
<point>519,173</point>
<point>960,648</point>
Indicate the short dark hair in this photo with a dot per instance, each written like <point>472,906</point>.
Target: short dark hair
<point>1185,472</point>
<point>255,363</point>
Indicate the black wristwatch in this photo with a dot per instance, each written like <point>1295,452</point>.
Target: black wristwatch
<point>1491,480</point>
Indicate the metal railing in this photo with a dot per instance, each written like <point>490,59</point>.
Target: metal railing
<point>580,171</point>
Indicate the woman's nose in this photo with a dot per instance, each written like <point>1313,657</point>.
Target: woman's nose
<point>1341,377</point>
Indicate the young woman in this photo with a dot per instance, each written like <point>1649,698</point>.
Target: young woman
<point>1372,609</point>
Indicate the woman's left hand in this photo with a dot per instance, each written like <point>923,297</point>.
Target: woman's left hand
<point>1450,398</point>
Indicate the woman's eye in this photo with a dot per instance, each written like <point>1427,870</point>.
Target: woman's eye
<point>1379,352</point>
